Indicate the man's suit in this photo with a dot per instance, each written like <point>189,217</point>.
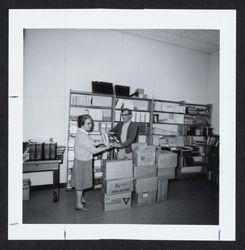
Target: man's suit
<point>131,135</point>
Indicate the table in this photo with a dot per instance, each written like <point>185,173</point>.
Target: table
<point>47,165</point>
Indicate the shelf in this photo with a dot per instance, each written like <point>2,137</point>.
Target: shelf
<point>191,169</point>
<point>168,101</point>
<point>90,106</point>
<point>169,123</point>
<point>197,135</point>
<point>146,110</point>
<point>203,164</point>
<point>197,125</point>
<point>186,114</point>
<point>166,135</point>
<point>74,118</point>
<point>133,98</point>
<point>179,113</point>
<point>76,92</point>
<point>136,110</point>
<point>137,122</point>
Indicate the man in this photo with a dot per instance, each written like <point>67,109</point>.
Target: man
<point>127,132</point>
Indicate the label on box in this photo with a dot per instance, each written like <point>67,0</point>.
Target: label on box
<point>145,198</point>
<point>143,158</point>
<point>117,201</point>
<point>145,195</point>
<point>117,186</point>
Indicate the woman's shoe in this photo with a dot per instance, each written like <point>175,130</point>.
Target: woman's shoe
<point>81,208</point>
<point>85,202</point>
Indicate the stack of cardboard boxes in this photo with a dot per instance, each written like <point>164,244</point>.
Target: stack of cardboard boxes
<point>117,184</point>
<point>145,174</point>
<point>166,164</point>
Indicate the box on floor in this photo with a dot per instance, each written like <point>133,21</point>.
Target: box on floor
<point>116,201</point>
<point>167,173</point>
<point>145,185</point>
<point>117,186</point>
<point>118,169</point>
<point>145,171</point>
<point>144,154</point>
<point>166,159</point>
<point>162,189</point>
<point>145,198</point>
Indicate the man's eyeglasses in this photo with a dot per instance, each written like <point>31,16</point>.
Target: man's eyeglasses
<point>125,114</point>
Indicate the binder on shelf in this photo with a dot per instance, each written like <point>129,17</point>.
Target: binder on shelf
<point>102,87</point>
<point>121,90</point>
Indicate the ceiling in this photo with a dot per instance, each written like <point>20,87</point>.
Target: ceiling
<point>206,41</point>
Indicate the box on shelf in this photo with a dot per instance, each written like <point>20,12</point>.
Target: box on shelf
<point>144,154</point>
<point>162,189</point>
<point>26,189</point>
<point>118,169</point>
<point>145,198</point>
<point>145,171</point>
<point>166,159</point>
<point>145,185</point>
<point>117,186</point>
<point>116,201</point>
<point>166,173</point>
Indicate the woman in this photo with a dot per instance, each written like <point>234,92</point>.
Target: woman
<point>82,176</point>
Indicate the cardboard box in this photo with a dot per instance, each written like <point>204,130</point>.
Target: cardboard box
<point>145,198</point>
<point>118,186</point>
<point>145,185</point>
<point>166,159</point>
<point>143,158</point>
<point>143,147</point>
<point>145,171</point>
<point>162,189</point>
<point>144,154</point>
<point>26,189</point>
<point>136,146</point>
<point>166,173</point>
<point>117,201</point>
<point>118,169</point>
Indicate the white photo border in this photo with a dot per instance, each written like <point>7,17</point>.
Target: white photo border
<point>223,20</point>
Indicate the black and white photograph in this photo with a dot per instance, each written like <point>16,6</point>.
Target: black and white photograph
<point>122,125</point>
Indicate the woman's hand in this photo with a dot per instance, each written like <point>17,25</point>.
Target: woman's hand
<point>108,146</point>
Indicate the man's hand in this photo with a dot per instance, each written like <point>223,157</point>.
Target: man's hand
<point>116,145</point>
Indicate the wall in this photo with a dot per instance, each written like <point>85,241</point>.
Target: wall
<point>56,61</point>
<point>213,89</point>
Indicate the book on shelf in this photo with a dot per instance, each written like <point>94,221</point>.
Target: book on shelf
<point>140,105</point>
<point>197,110</point>
<point>213,141</point>
<point>90,100</point>
<point>169,107</point>
<point>165,129</point>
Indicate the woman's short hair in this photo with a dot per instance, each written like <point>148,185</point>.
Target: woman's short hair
<point>82,118</point>
<point>126,109</point>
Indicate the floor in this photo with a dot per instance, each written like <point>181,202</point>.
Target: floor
<point>190,201</point>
